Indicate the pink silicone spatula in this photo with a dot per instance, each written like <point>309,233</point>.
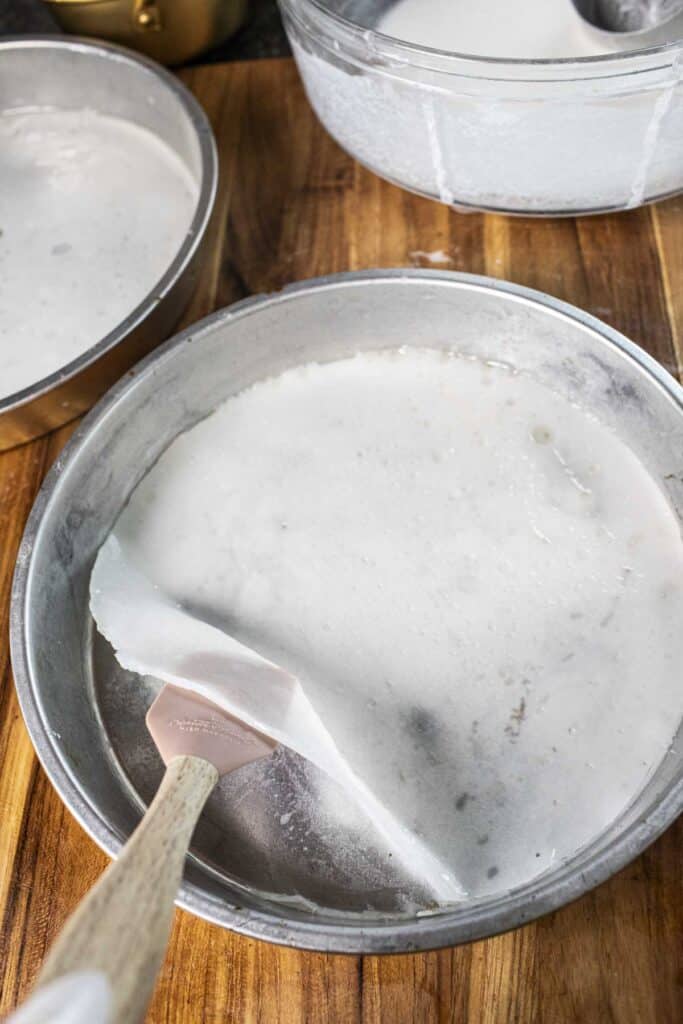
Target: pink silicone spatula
<point>121,928</point>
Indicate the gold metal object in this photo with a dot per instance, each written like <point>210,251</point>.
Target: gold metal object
<point>147,16</point>
<point>170,31</point>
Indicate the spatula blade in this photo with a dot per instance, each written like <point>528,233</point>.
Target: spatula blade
<point>183,723</point>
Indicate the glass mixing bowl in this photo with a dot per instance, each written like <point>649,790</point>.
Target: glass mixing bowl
<point>545,137</point>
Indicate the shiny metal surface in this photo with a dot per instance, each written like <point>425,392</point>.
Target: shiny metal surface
<point>640,22</point>
<point>170,31</point>
<point>86,716</point>
<point>50,71</point>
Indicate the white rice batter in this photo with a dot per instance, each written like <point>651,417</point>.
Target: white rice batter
<point>494,28</point>
<point>93,210</point>
<point>478,585</point>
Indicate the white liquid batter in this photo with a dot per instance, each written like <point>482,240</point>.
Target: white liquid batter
<point>494,28</point>
<point>478,585</point>
<point>544,140</point>
<point>93,210</point>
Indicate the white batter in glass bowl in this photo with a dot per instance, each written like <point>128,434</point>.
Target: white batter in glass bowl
<point>531,121</point>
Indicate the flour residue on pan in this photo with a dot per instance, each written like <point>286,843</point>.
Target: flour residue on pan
<point>477,584</point>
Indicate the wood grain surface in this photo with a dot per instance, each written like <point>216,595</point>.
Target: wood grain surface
<point>292,205</point>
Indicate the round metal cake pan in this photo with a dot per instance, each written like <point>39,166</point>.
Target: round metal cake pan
<point>86,715</point>
<point>69,73</point>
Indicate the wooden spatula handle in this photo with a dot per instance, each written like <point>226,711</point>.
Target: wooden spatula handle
<point>122,926</point>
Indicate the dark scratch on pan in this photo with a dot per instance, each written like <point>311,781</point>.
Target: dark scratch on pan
<point>517,716</point>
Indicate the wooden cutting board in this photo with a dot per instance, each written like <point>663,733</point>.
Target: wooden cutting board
<point>292,205</point>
